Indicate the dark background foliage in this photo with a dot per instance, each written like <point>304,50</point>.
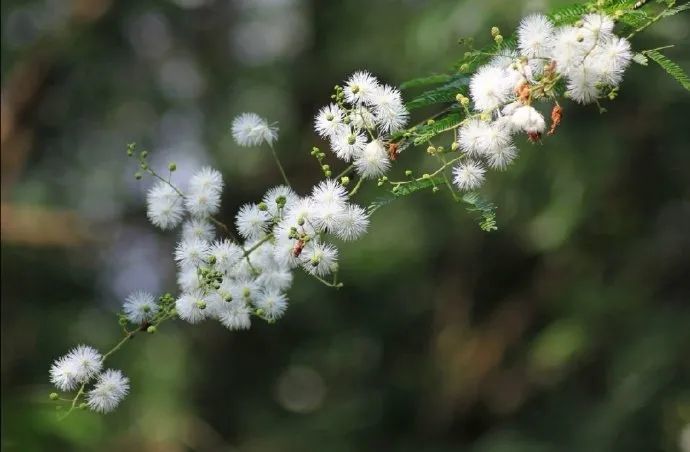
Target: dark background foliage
<point>568,329</point>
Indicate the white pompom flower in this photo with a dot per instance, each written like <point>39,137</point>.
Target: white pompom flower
<point>583,85</point>
<point>234,315</point>
<point>468,175</point>
<point>140,307</point>
<point>535,35</point>
<point>250,129</point>
<point>390,113</point>
<point>354,222</point>
<point>328,191</point>
<point>272,303</point>
<point>273,194</point>
<point>500,158</point>
<point>373,161</point>
<point>598,25</point>
<point>196,228</point>
<point>76,367</point>
<point>192,253</point>
<point>226,255</point>
<point>206,179</point>
<point>251,221</point>
<point>349,145</point>
<point>110,388</point>
<point>164,206</point>
<point>320,258</point>
<point>191,306</point>
<point>329,121</point>
<point>360,87</point>
<point>569,48</point>
<point>490,88</point>
<point>610,59</point>
<point>527,119</point>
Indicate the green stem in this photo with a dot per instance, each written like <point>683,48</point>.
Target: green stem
<point>345,172</point>
<point>356,188</point>
<point>280,166</point>
<point>257,245</point>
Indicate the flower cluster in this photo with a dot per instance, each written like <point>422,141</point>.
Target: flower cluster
<point>360,121</point>
<point>587,56</point>
<point>81,366</point>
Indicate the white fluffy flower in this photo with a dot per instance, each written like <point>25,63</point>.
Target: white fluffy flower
<point>164,206</point>
<point>198,229</point>
<point>527,119</point>
<point>272,195</point>
<point>272,303</point>
<point>490,88</point>
<point>328,215</point>
<point>205,188</point>
<point>373,161</point>
<point>277,279</point>
<point>583,85</point>
<point>251,221</point>
<point>76,367</point>
<point>250,129</point>
<point>500,158</point>
<point>234,315</point>
<point>226,254</point>
<point>109,390</point>
<point>495,136</point>
<point>610,59</point>
<point>389,111</point>
<point>469,136</point>
<point>329,121</point>
<point>570,46</point>
<point>188,279</point>
<point>599,25</point>
<point>360,87</point>
<point>320,258</point>
<point>192,253</point>
<point>534,35</point>
<point>140,307</point>
<point>206,179</point>
<point>362,118</point>
<point>468,175</point>
<point>191,306</point>
<point>329,192</point>
<point>349,144</point>
<point>354,222</point>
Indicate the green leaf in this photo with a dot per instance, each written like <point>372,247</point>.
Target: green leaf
<point>485,209</point>
<point>434,79</point>
<point>426,132</point>
<point>417,185</point>
<point>640,59</point>
<point>442,94</point>
<point>678,9</point>
<point>669,66</point>
<point>568,14</point>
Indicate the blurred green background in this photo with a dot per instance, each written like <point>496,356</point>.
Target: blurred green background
<point>566,330</point>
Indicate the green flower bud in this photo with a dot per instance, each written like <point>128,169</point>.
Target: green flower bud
<point>325,167</point>
<point>454,146</point>
<point>430,150</point>
<point>280,201</point>
<point>172,166</point>
<point>144,154</point>
<point>201,304</point>
<point>464,67</point>
<point>495,31</point>
<point>344,181</point>
<point>262,206</point>
<point>82,406</point>
<point>151,329</point>
<point>53,396</point>
<point>408,173</point>
<point>138,175</point>
<point>327,173</point>
<point>351,139</point>
<point>498,39</point>
<point>246,293</point>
